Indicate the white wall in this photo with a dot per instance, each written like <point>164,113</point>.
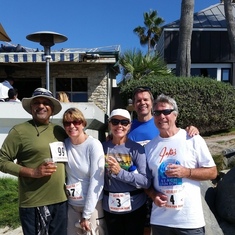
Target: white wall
<point>12,113</point>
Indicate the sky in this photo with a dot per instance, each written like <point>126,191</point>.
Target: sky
<point>86,23</point>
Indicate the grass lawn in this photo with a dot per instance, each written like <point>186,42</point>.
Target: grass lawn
<point>9,215</point>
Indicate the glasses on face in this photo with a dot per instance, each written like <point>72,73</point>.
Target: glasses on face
<point>164,111</point>
<point>123,122</point>
<point>75,123</point>
<point>46,93</point>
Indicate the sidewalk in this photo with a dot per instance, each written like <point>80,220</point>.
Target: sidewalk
<point>8,231</point>
<point>217,144</point>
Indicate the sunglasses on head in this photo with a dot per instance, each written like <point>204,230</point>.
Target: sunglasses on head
<point>123,122</point>
<point>75,123</point>
<point>46,93</point>
<point>164,111</point>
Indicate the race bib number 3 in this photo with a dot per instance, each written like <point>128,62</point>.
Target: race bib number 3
<point>119,202</point>
<point>58,152</point>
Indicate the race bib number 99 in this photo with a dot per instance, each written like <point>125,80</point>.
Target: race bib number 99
<point>58,152</point>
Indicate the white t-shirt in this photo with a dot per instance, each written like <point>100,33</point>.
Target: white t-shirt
<point>85,174</point>
<point>4,87</point>
<point>184,208</point>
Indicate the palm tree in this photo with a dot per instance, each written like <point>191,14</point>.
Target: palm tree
<point>228,10</point>
<point>222,1</point>
<point>135,65</point>
<point>150,33</point>
<point>183,64</point>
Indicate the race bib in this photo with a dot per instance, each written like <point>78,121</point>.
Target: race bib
<point>74,191</point>
<point>119,202</point>
<point>175,197</point>
<point>58,152</point>
<point>172,187</point>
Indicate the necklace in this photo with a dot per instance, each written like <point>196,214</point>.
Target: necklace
<point>39,132</point>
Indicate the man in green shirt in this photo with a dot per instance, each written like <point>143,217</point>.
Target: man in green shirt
<point>42,196</point>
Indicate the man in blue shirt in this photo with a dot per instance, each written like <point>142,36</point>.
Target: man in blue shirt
<point>143,128</point>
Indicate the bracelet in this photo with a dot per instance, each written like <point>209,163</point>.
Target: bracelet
<point>190,173</point>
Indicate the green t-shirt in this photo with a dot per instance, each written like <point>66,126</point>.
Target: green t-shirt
<point>29,147</point>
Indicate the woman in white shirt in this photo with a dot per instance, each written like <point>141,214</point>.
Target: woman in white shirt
<point>85,176</point>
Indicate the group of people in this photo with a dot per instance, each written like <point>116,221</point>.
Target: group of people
<point>102,188</point>
<point>7,92</point>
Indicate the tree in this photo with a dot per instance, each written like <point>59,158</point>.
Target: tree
<point>136,65</point>
<point>183,64</point>
<point>228,10</point>
<point>150,33</point>
<point>222,1</point>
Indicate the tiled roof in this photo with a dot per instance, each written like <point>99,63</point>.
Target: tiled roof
<point>211,17</point>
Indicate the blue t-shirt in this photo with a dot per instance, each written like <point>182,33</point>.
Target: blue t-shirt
<point>143,132</point>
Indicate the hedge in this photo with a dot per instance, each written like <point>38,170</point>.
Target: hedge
<point>203,102</point>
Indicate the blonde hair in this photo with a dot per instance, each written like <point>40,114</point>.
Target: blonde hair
<point>74,114</point>
<point>62,97</point>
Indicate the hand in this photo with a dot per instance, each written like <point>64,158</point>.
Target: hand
<point>160,199</point>
<point>192,130</point>
<point>177,171</point>
<point>113,165</point>
<point>45,169</point>
<point>85,224</point>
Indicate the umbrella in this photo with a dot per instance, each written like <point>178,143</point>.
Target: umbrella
<point>3,35</point>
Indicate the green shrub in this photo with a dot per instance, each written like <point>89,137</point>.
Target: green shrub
<point>203,102</point>
<point>9,215</point>
<point>219,162</point>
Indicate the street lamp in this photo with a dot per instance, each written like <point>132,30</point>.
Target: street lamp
<point>47,39</point>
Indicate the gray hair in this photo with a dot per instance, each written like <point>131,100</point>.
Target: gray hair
<point>168,100</point>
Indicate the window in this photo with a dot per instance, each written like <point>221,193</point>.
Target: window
<point>225,75</point>
<point>204,72</point>
<point>76,88</point>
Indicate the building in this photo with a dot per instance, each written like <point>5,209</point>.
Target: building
<point>86,75</point>
<point>210,48</point>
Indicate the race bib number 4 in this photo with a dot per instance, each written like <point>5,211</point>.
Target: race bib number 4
<point>119,202</point>
<point>58,152</point>
<point>175,198</point>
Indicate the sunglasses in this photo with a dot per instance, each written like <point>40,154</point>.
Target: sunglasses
<point>75,123</point>
<point>164,111</point>
<point>123,122</point>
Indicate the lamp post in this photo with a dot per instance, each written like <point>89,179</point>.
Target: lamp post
<point>47,39</point>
